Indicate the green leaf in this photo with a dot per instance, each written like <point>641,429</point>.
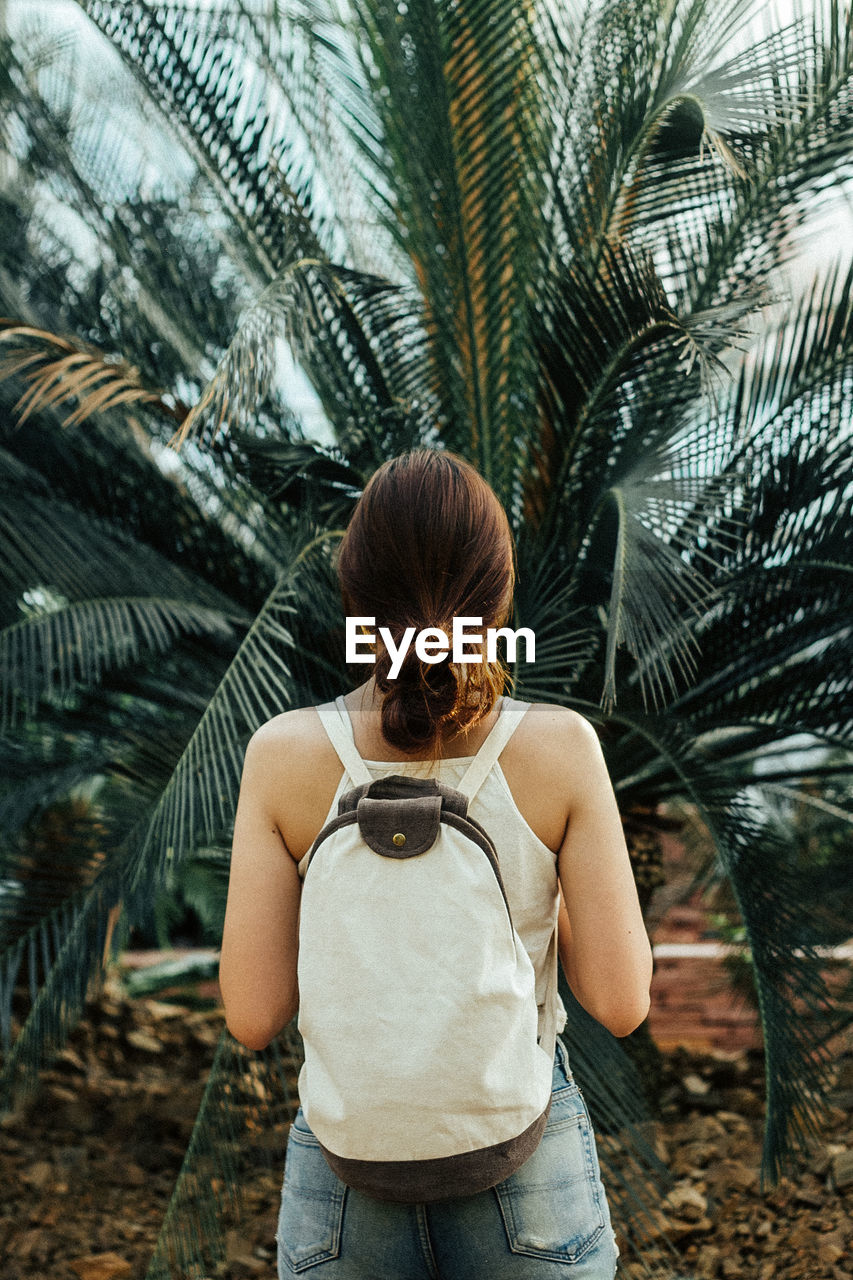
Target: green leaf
<point>198,802</point>
<point>48,655</point>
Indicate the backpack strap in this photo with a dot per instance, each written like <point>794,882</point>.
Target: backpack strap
<point>336,722</point>
<point>486,758</point>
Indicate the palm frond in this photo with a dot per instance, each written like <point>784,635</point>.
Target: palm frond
<point>663,81</point>
<point>650,71</point>
<point>795,383</point>
<point>62,150</point>
<point>567,638</point>
<point>784,581</point>
<point>652,586</point>
<point>466,201</point>
<point>795,1002</point>
<point>75,374</point>
<point>186,61</point>
<point>649,759</point>
<point>307,297</point>
<point>48,545</point>
<point>309,57</point>
<point>305,476</point>
<point>59,933</point>
<point>48,655</point>
<point>62,951</point>
<point>621,370</point>
<point>197,803</point>
<point>245,370</point>
<point>791,646</point>
<point>793,167</point>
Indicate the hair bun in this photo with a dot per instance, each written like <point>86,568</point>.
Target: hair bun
<point>421,696</point>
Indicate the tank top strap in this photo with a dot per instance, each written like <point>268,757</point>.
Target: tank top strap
<point>486,758</point>
<point>336,722</point>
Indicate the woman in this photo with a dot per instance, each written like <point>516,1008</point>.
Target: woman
<point>429,542</point>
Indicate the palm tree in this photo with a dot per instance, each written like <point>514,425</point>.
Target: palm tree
<point>554,238</point>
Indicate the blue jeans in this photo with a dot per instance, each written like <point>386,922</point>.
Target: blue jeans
<point>548,1221</point>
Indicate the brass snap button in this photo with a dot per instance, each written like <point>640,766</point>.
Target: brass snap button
<point>399,839</point>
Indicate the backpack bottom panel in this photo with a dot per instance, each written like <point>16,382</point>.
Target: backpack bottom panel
<point>441,1178</point>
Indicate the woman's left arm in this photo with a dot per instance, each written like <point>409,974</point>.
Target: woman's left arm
<point>604,947</point>
<point>257,967</point>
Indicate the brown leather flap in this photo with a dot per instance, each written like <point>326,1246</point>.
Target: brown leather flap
<point>400,828</point>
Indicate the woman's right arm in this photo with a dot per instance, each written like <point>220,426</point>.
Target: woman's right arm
<point>257,967</point>
<point>603,942</point>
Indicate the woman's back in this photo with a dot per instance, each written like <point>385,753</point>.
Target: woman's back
<point>556,776</point>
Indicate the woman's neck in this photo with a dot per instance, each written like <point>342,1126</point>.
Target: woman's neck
<point>364,705</point>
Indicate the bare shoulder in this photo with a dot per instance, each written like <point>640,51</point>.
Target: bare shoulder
<point>292,770</point>
<point>546,763</point>
<point>291,732</point>
<point>557,733</point>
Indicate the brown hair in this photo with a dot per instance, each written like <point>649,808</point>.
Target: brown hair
<point>429,541</point>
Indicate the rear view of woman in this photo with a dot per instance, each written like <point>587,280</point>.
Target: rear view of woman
<point>427,543</point>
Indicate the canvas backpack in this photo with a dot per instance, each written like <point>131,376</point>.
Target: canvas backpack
<point>424,1077</point>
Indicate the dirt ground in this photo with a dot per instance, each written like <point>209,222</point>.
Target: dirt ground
<point>87,1167</point>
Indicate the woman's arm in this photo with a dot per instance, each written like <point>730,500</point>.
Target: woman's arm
<point>603,944</point>
<point>257,968</point>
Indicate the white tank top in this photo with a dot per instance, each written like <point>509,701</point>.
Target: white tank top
<point>528,866</point>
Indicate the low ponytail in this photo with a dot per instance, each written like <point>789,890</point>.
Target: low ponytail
<point>419,702</point>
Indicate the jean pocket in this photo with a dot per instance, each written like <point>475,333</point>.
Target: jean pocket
<point>553,1206</point>
<point>312,1206</point>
